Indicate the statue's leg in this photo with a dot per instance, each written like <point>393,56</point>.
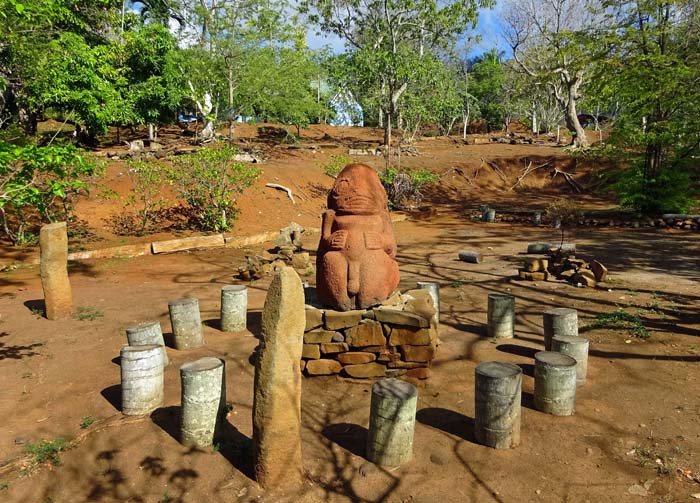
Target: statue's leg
<point>376,279</point>
<point>334,291</point>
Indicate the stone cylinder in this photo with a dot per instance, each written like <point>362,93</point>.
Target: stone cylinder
<point>472,257</point>
<point>489,215</point>
<point>576,348</point>
<point>391,422</point>
<point>555,383</point>
<point>501,316</point>
<point>203,403</point>
<point>537,218</point>
<point>142,379</point>
<point>433,288</point>
<point>148,332</point>
<point>538,248</point>
<point>234,308</point>
<point>186,323</point>
<point>497,404</point>
<point>559,321</point>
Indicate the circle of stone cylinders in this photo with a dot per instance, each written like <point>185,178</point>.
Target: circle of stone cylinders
<point>142,379</point>
<point>559,321</point>
<point>234,308</point>
<point>433,288</point>
<point>577,348</point>
<point>555,383</point>
<point>501,316</point>
<point>148,332</point>
<point>391,422</point>
<point>186,322</point>
<point>203,403</point>
<point>497,396</point>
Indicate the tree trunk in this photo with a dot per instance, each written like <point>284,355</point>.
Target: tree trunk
<point>27,121</point>
<point>150,133</point>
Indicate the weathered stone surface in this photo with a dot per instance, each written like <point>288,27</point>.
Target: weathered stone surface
<point>135,250</point>
<point>290,235</point>
<point>585,277</point>
<point>356,358</point>
<point>406,365</point>
<point>356,262</point>
<point>417,353</point>
<point>314,318</point>
<point>323,367</point>
<point>336,320</point>
<point>338,337</point>
<point>409,335</point>
<point>418,373</point>
<point>300,260</point>
<point>203,401</point>
<point>367,333</point>
<point>311,351</point>
<point>396,317</point>
<point>533,276</point>
<point>365,370</point>
<point>420,302</point>
<point>536,264</point>
<point>182,244</point>
<point>393,299</point>
<point>318,336</point>
<point>599,270</point>
<point>334,347</point>
<point>277,398</point>
<point>375,349</point>
<point>58,297</point>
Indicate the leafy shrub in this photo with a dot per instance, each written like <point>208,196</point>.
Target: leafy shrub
<point>403,188</point>
<point>147,179</point>
<point>336,164</point>
<point>46,451</point>
<point>208,180</point>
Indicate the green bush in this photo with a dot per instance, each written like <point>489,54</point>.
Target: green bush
<point>403,187</point>
<point>336,164</point>
<point>147,179</point>
<point>46,451</point>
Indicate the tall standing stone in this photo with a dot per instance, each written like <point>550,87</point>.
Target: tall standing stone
<point>53,243</point>
<point>277,402</point>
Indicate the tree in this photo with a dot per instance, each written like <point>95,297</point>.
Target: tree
<point>488,86</point>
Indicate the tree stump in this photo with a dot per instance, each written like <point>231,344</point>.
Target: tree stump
<point>203,401</point>
<point>576,348</point>
<point>433,288</point>
<point>148,332</point>
<point>391,422</point>
<point>555,383</point>
<point>497,404</point>
<point>234,308</point>
<point>53,245</point>
<point>501,316</point>
<point>186,323</point>
<point>559,321</point>
<point>142,379</point>
<point>472,257</point>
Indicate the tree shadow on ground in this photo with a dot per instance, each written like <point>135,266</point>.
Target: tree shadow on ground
<point>448,421</point>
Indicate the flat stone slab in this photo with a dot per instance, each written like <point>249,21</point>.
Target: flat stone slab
<point>396,317</point>
<point>174,245</point>
<point>136,250</point>
<point>323,367</point>
<point>335,320</point>
<point>366,370</point>
<point>319,336</point>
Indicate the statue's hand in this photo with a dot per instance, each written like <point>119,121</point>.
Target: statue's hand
<point>338,240</point>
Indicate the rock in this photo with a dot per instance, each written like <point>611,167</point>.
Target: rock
<point>338,337</point>
<point>336,320</point>
<point>536,264</point>
<point>323,367</point>
<point>290,235</point>
<point>300,260</point>
<point>638,490</point>
<point>318,336</point>
<point>411,336</point>
<point>314,318</point>
<point>367,333</point>
<point>599,270</point>
<point>334,347</point>
<point>356,358</point>
<point>277,393</point>
<point>439,458</point>
<point>417,353</point>
<point>419,302</point>
<point>585,277</point>
<point>356,263</point>
<point>173,245</point>
<point>532,276</point>
<point>393,300</point>
<point>58,297</point>
<point>311,351</point>
<point>365,370</point>
<point>396,317</point>
<point>418,373</point>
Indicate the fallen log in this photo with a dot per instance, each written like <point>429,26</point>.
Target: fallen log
<point>282,187</point>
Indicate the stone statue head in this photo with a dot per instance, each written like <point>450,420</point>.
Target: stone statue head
<point>357,191</point>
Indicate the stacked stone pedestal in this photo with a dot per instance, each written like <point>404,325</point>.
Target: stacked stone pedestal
<point>391,340</point>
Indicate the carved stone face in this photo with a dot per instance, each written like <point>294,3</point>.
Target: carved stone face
<point>357,191</point>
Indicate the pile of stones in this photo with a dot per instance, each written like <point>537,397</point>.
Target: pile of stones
<point>397,338</point>
<point>562,264</point>
<point>287,252</point>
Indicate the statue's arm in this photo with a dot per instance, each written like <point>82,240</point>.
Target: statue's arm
<point>327,224</point>
<point>388,234</point>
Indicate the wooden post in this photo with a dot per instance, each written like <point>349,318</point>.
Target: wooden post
<point>148,332</point>
<point>501,316</point>
<point>234,308</point>
<point>142,379</point>
<point>472,257</point>
<point>555,383</point>
<point>433,288</point>
<point>53,247</point>
<point>576,348</point>
<point>203,403</point>
<point>391,422</point>
<point>186,323</point>
<point>497,404</point>
<point>559,321</point>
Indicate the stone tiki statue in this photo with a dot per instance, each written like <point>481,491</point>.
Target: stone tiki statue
<point>356,266</point>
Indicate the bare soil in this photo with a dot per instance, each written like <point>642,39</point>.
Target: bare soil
<point>637,424</point>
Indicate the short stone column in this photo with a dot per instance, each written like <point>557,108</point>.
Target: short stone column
<point>277,395</point>
<point>559,321</point>
<point>148,332</point>
<point>473,257</point>
<point>501,316</point>
<point>142,379</point>
<point>203,403</point>
<point>555,383</point>
<point>186,322</point>
<point>53,245</point>
<point>537,218</point>
<point>497,404</point>
<point>433,288</point>
<point>392,420</point>
<point>234,308</point>
<point>488,215</point>
<point>576,348</point>
<point>538,248</point>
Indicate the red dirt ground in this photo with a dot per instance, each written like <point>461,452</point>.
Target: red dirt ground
<point>636,428</point>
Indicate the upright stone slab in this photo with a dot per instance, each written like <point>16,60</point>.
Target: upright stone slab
<point>501,316</point>
<point>559,321</point>
<point>391,422</point>
<point>53,243</point>
<point>277,402</point>
<point>203,401</point>
<point>576,348</point>
<point>142,379</point>
<point>148,332</point>
<point>555,383</point>
<point>434,288</point>
<point>186,322</point>
<point>497,404</point>
<point>234,308</point>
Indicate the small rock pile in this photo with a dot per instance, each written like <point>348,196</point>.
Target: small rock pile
<point>564,266</point>
<point>286,252</point>
<point>398,338</point>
